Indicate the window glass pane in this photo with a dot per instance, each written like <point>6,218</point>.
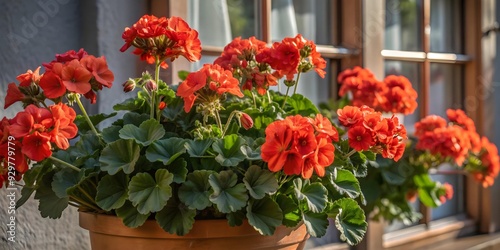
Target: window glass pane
<point>412,71</point>
<point>456,204</point>
<point>447,26</point>
<point>403,25</point>
<point>446,89</point>
<point>219,21</point>
<point>310,18</point>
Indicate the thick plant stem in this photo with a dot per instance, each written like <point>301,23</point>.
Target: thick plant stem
<point>219,122</point>
<point>69,165</point>
<point>87,118</point>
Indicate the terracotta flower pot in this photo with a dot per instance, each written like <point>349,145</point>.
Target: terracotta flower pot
<point>108,232</point>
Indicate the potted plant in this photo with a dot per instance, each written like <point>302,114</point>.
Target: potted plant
<point>392,185</point>
<point>219,155</point>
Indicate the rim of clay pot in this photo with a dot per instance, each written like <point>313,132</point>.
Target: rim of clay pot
<point>112,225</point>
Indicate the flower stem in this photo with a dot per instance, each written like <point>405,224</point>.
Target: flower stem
<point>87,118</point>
<point>219,122</point>
<point>153,92</point>
<point>296,83</point>
<point>350,153</point>
<point>69,165</point>
<point>228,122</point>
<point>286,97</point>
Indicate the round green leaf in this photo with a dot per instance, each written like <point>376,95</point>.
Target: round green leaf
<point>316,223</point>
<point>148,194</point>
<point>195,191</point>
<point>350,220</point>
<point>227,195</point>
<point>120,155</point>
<point>260,182</point>
<point>112,191</point>
<point>148,132</point>
<point>166,150</point>
<point>176,218</point>
<point>314,194</point>
<point>130,216</point>
<point>229,150</point>
<point>264,215</point>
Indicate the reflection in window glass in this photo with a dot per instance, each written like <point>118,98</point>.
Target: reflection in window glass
<point>403,19</point>
<point>243,18</point>
<point>413,72</point>
<point>446,89</point>
<point>447,26</point>
<point>309,18</point>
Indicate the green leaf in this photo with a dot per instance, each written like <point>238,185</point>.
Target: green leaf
<point>236,218</point>
<point>120,155</point>
<point>176,218</point>
<point>85,190</point>
<point>182,74</point>
<point>350,220</point>
<point>260,182</point>
<point>229,150</point>
<point>134,118</point>
<point>148,132</point>
<point>290,209</point>
<point>314,194</point>
<point>179,169</point>
<point>130,216</point>
<point>166,150</point>
<point>50,205</point>
<point>359,162</point>
<point>197,148</point>
<point>83,125</point>
<point>301,105</point>
<point>112,191</point>
<point>316,223</point>
<point>130,104</point>
<point>195,191</point>
<point>111,133</point>
<point>227,195</point>
<point>345,183</point>
<point>64,179</point>
<point>264,215</point>
<point>148,194</point>
<point>427,190</point>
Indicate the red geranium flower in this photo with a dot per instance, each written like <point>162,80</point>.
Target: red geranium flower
<point>13,95</point>
<point>359,138</point>
<point>36,146</point>
<point>76,78</point>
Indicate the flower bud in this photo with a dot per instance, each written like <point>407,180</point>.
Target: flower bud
<point>151,85</point>
<point>162,105</point>
<point>246,121</point>
<point>289,83</point>
<point>129,85</point>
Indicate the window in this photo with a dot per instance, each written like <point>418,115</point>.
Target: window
<point>425,41</point>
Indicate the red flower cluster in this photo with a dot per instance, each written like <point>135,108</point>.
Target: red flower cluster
<point>293,55</point>
<point>162,38</point>
<point>75,72</point>
<point>300,145</point>
<point>394,94</point>
<point>208,84</point>
<point>11,158</point>
<point>368,130</point>
<point>239,56</point>
<point>458,140</point>
<point>36,128</point>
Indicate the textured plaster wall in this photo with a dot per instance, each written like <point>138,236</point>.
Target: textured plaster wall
<point>32,32</point>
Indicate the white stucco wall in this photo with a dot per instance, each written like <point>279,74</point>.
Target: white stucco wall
<point>32,32</point>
